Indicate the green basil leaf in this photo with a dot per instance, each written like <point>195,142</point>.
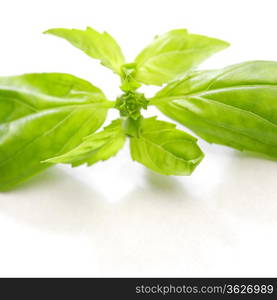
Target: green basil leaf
<point>164,149</point>
<point>97,45</point>
<point>235,106</point>
<point>174,53</point>
<point>43,115</point>
<point>96,147</point>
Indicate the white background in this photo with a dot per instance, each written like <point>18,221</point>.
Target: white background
<point>116,218</point>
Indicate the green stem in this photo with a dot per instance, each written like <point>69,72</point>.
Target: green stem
<point>131,127</point>
<point>110,104</point>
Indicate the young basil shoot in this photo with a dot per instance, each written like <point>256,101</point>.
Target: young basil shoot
<point>52,118</point>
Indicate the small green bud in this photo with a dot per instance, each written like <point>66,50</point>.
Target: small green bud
<point>130,103</point>
<point>128,78</point>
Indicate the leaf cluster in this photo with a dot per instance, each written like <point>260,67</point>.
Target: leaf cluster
<point>52,118</point>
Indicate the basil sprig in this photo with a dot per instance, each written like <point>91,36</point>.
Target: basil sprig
<point>53,118</point>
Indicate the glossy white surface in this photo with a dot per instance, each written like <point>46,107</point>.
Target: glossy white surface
<point>117,218</point>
